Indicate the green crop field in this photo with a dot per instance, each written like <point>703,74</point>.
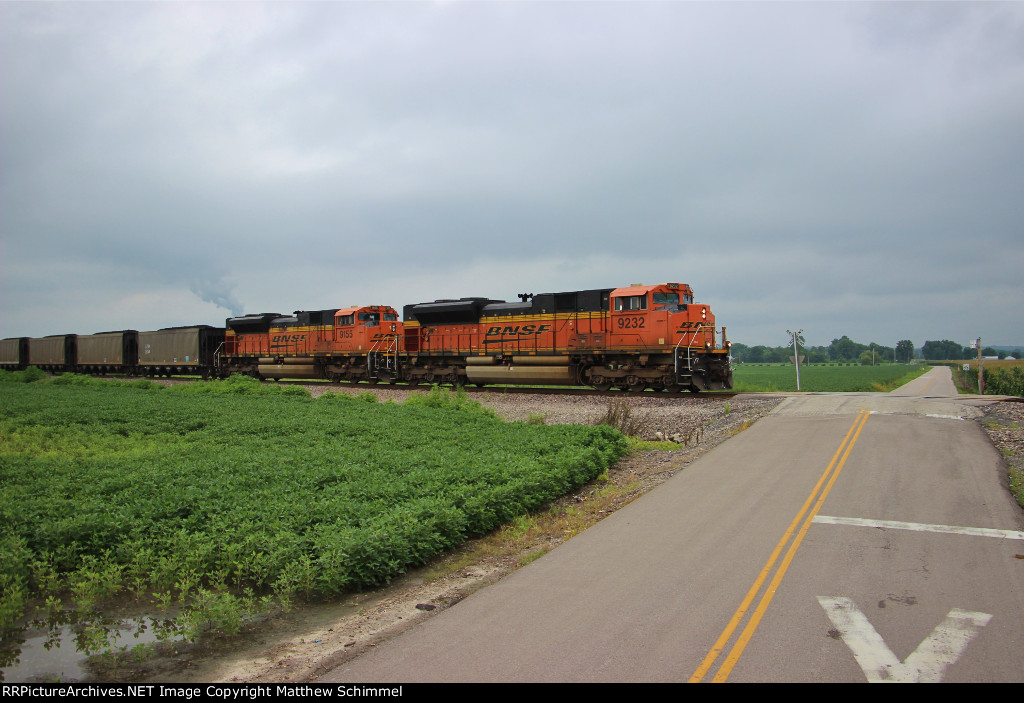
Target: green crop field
<point>823,377</point>
<point>216,495</point>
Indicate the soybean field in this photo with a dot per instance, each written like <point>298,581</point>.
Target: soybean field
<point>226,497</point>
<point>824,377</point>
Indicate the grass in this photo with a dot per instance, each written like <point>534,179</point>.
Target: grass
<point>754,378</point>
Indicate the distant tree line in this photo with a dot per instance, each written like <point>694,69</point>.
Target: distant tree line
<point>938,351</point>
<point>842,350</point>
<point>845,350</point>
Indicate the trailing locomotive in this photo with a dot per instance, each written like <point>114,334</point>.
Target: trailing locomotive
<point>339,345</point>
<point>633,338</point>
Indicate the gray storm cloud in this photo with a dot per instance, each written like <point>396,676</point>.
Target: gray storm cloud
<point>856,165</point>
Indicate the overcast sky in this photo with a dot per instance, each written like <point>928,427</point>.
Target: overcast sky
<point>839,168</point>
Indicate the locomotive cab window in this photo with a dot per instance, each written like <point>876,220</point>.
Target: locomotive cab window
<point>346,319</point>
<point>631,302</point>
<point>390,317</point>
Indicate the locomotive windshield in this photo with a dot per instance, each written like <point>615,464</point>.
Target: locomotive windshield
<point>666,298</point>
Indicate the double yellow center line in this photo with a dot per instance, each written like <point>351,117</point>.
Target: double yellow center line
<point>806,514</point>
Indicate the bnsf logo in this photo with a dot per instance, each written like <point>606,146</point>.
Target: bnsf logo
<point>518,330</point>
<point>286,338</point>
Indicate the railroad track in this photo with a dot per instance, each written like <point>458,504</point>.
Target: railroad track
<point>541,390</point>
<point>508,390</point>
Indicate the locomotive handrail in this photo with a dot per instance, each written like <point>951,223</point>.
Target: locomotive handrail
<point>216,356</point>
<point>691,345</point>
<point>392,348</point>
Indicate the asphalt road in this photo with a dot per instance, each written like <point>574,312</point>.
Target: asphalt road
<point>845,537</point>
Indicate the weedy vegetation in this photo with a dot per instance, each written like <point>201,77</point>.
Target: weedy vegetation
<point>1004,377</point>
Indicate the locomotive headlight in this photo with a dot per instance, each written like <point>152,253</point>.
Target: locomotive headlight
<point>703,313</point>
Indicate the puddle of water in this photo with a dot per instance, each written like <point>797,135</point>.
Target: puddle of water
<point>57,650</point>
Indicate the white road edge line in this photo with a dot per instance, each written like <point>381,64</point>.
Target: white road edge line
<point>919,527</point>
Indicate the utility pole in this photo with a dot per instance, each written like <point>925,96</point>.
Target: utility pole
<point>796,355</point>
<point>981,375</point>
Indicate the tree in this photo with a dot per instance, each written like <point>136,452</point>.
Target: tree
<point>817,355</point>
<point>945,349</point>
<point>904,351</point>
<point>845,349</point>
<point>757,354</point>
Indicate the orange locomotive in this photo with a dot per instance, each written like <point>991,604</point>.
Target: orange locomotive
<point>633,338</point>
<point>353,344</point>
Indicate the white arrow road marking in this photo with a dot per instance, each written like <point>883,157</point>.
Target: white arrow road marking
<point>926,664</point>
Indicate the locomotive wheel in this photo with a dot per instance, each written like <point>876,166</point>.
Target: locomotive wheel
<point>602,386</point>
<point>637,387</point>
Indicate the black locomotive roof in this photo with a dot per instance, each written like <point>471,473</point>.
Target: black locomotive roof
<point>508,309</point>
<point>470,310</point>
<point>447,312</point>
<point>316,317</point>
<point>256,322</point>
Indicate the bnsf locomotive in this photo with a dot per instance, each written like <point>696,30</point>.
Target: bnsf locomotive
<point>631,338</point>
